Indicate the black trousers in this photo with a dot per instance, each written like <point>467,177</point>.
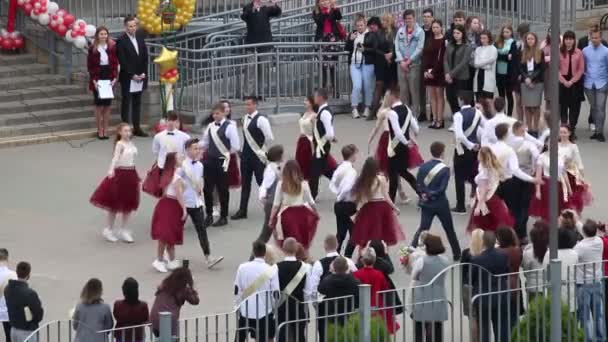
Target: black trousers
<point>198,218</point>
<point>262,329</point>
<point>505,90</point>
<point>250,166</point>
<point>465,166</point>
<point>397,167</point>
<point>569,113</point>
<point>428,331</point>
<point>507,190</point>
<point>344,223</point>
<point>452,91</point>
<point>7,331</point>
<point>130,104</point>
<point>266,232</point>
<point>319,167</point>
<point>441,209</point>
<point>522,193</point>
<point>216,178</point>
<point>496,317</point>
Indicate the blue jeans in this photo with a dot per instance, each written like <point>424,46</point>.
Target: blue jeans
<point>362,76</point>
<point>597,104</point>
<point>590,302</point>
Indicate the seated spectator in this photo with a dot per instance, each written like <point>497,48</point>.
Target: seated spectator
<point>534,255</point>
<point>430,290</point>
<point>92,315</point>
<point>6,274</point>
<point>23,305</point>
<point>174,291</point>
<point>589,291</point>
<point>130,312</point>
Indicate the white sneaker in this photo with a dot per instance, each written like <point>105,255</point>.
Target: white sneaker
<point>108,234</point>
<point>159,266</point>
<point>174,264</point>
<point>356,113</point>
<point>216,211</point>
<point>451,129</point>
<point>366,113</point>
<point>592,127</point>
<point>125,235</point>
<point>211,261</point>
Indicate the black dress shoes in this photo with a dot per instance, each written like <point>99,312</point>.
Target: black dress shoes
<point>239,215</point>
<point>222,221</point>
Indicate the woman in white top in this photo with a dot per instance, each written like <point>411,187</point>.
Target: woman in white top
<point>539,205</point>
<point>580,193</point>
<point>118,192</point>
<point>376,218</point>
<point>168,222</point>
<point>361,71</point>
<point>293,212</point>
<point>569,258</point>
<point>533,258</point>
<point>484,83</point>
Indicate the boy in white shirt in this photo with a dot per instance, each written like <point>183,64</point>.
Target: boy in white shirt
<point>341,184</point>
<point>272,176</point>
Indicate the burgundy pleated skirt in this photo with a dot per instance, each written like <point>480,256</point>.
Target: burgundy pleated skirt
<point>300,223</point>
<point>581,196</point>
<point>234,172</point>
<point>376,220</point>
<point>382,153</point>
<point>540,207</point>
<point>167,223</point>
<point>119,194</point>
<point>498,215</point>
<point>304,156</point>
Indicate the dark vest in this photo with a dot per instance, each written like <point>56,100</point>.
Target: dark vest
<point>256,134</point>
<point>402,112</point>
<point>288,270</point>
<point>322,131</point>
<point>214,152</point>
<point>468,115</point>
<point>325,263</point>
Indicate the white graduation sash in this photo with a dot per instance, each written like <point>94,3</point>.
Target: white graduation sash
<point>434,172</point>
<point>260,151</point>
<point>293,283</point>
<point>321,141</point>
<point>213,129</point>
<point>469,131</point>
<point>197,184</point>
<point>390,149</point>
<point>257,283</point>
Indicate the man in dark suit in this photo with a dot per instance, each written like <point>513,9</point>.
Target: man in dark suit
<point>133,58</point>
<point>292,281</point>
<point>492,309</point>
<point>432,180</point>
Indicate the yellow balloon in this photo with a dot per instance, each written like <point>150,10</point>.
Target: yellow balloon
<point>167,60</point>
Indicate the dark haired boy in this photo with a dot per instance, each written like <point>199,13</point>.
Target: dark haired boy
<point>345,207</point>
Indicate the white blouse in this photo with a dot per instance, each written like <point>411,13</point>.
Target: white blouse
<point>286,200</point>
<point>489,179</point>
<point>544,162</point>
<point>103,54</point>
<point>124,155</point>
<point>306,123</point>
<point>571,156</point>
<point>172,187</point>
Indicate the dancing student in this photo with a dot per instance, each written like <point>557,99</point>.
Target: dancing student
<point>272,176</point>
<point>485,70</point>
<point>220,140</point>
<point>376,219</point>
<point>580,194</point>
<point>532,76</point>
<point>489,126</point>
<point>118,192</point>
<point>490,211</point>
<point>468,124</point>
<point>102,64</point>
<point>170,140</point>
<point>191,173</point>
<point>507,52</point>
<point>456,66</point>
<point>434,76</point>
<point>403,126</point>
<point>571,71</point>
<point>433,178</point>
<point>293,212</point>
<point>527,153</point>
<point>345,207</point>
<point>305,145</point>
<point>323,136</point>
<point>539,205</point>
<point>168,219</point>
<point>258,136</point>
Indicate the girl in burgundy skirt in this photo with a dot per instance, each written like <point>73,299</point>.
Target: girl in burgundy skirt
<point>568,151</point>
<point>376,218</point>
<point>539,204</point>
<point>168,223</point>
<point>293,212</point>
<point>304,150</point>
<point>490,211</point>
<point>118,192</point>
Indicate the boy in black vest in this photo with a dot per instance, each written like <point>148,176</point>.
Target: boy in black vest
<point>467,140</point>
<point>258,135</point>
<point>219,140</point>
<point>322,138</point>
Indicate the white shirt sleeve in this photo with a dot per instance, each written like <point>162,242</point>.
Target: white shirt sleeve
<point>535,141</point>
<point>417,268</point>
<point>237,284</point>
<point>346,186</point>
<point>278,195</point>
<point>269,178</point>
<point>577,157</point>
<point>156,145</point>
<point>264,126</point>
<point>393,119</point>
<point>274,281</point>
<point>233,136</point>
<point>329,128</point>
<point>459,134</point>
<point>414,127</point>
<point>315,279</point>
<point>204,143</point>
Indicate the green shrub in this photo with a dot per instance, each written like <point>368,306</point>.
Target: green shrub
<point>349,332</point>
<point>535,325</point>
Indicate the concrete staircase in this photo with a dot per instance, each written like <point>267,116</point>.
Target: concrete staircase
<point>37,106</point>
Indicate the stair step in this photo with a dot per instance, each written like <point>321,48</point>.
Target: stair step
<point>41,92</point>
<point>52,127</point>
<point>10,59</point>
<point>58,102</point>
<point>23,82</point>
<point>47,116</point>
<point>23,69</point>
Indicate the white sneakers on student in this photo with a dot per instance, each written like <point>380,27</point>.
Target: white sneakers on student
<point>356,113</point>
<point>108,234</point>
<point>216,211</point>
<point>366,113</point>
<point>159,266</point>
<point>174,264</point>
<point>125,235</point>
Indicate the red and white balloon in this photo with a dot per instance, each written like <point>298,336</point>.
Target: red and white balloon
<point>10,41</point>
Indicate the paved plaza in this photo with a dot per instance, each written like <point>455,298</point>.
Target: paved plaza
<point>46,219</point>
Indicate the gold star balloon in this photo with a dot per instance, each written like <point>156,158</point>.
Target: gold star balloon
<point>167,60</point>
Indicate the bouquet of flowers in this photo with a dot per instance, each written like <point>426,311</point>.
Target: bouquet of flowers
<point>404,255</point>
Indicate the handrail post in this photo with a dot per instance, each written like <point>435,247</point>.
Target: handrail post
<point>556,299</point>
<point>164,327</point>
<point>365,312</point>
<point>278,76</point>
